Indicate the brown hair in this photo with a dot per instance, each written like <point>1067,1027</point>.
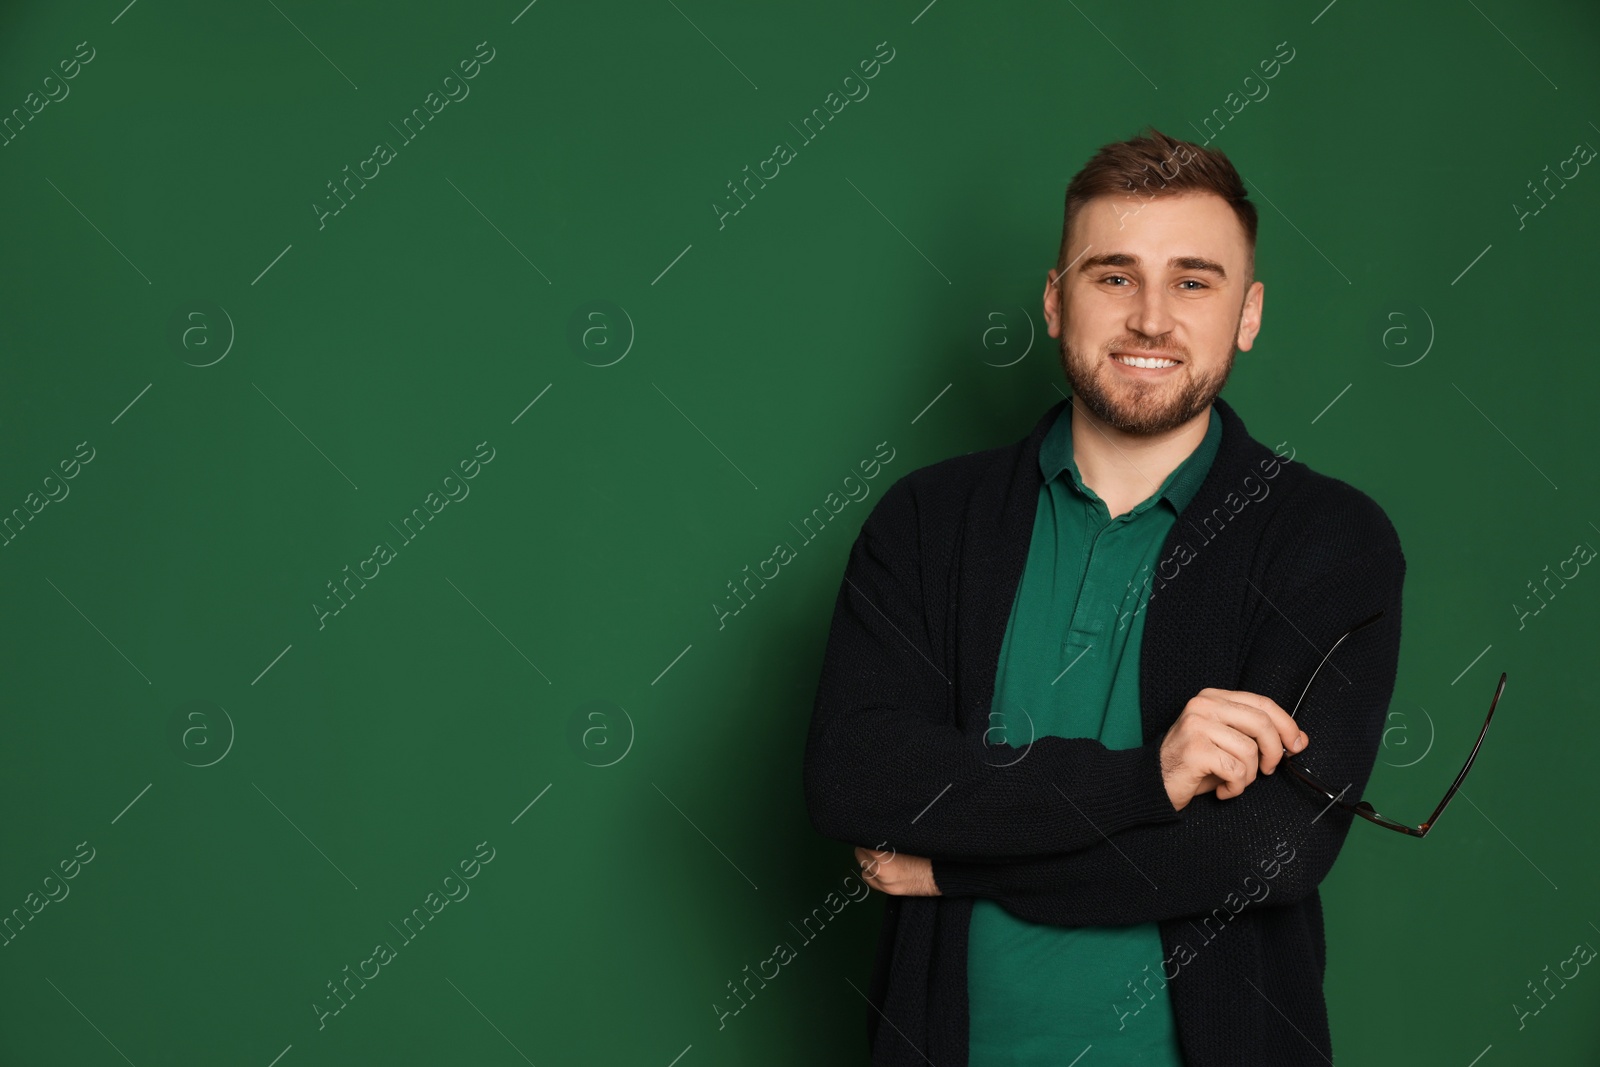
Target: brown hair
<point>1158,165</point>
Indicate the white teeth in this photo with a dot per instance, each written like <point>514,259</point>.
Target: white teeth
<point>1149,364</point>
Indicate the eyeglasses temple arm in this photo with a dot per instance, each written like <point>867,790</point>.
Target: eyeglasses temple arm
<point>1468,766</point>
<point>1368,621</point>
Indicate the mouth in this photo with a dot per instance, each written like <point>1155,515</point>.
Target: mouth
<point>1144,364</point>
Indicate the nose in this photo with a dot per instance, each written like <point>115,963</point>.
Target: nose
<point>1151,313</point>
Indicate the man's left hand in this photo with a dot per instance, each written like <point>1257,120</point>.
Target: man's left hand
<point>897,873</point>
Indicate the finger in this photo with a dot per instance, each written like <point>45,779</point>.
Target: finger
<point>1230,756</point>
<point>867,860</point>
<point>1236,743</point>
<point>1287,729</point>
<point>1261,719</point>
<point>1236,768</point>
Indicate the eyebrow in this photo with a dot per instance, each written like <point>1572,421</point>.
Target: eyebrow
<point>1125,259</point>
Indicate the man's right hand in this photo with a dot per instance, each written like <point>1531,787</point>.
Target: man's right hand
<point>1221,739</point>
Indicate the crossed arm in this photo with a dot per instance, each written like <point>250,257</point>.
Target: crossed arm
<point>1073,833</point>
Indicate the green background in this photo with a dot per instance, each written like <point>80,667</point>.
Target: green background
<point>1418,341</point>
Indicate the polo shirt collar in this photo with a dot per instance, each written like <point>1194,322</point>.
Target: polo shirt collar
<point>1056,458</point>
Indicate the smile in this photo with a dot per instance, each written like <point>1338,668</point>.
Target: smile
<point>1144,363</point>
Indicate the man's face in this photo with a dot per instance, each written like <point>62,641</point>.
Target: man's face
<point>1159,276</point>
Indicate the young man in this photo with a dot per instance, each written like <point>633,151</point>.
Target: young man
<point>1053,696</point>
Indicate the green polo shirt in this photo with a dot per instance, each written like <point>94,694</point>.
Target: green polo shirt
<point>1069,666</point>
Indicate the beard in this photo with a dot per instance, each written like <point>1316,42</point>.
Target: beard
<point>1141,408</point>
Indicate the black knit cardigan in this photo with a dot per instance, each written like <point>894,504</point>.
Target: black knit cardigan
<point>1262,572</point>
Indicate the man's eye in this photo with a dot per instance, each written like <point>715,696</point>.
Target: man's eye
<point>1114,277</point>
<point>1195,281</point>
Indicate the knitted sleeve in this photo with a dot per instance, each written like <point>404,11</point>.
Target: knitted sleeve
<point>886,766</point>
<point>1275,842</point>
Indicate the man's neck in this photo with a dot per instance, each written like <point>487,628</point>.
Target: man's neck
<point>1124,469</point>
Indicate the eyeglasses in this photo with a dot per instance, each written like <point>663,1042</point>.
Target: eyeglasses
<point>1361,807</point>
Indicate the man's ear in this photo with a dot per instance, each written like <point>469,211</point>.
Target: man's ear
<point>1052,304</point>
<point>1250,313</point>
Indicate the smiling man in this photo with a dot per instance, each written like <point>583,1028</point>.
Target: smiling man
<point>1052,700</point>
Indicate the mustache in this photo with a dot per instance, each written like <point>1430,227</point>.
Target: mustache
<point>1139,346</point>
